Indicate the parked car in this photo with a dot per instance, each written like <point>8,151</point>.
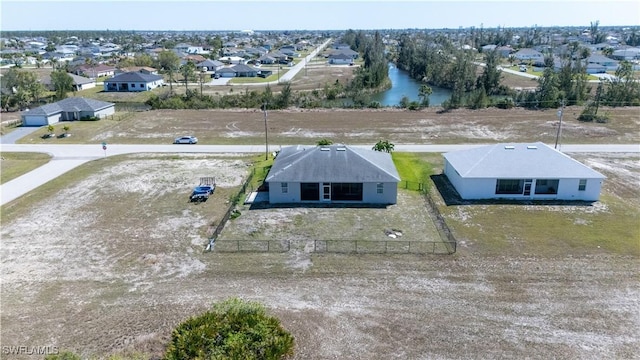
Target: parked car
<point>523,68</point>
<point>186,140</point>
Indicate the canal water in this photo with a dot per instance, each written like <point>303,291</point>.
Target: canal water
<point>403,85</point>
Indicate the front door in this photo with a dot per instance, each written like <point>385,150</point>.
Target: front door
<point>326,192</point>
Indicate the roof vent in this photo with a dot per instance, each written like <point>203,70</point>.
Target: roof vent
<point>532,147</point>
<point>341,149</point>
<point>324,149</point>
<point>509,147</point>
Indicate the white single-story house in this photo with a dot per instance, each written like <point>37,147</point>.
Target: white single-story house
<point>521,171</point>
<point>75,108</point>
<point>332,174</point>
<point>340,59</point>
<point>133,81</point>
<point>527,54</point>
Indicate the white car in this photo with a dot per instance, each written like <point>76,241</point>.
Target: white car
<point>186,140</point>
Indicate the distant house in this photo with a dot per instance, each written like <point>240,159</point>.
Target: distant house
<point>332,174</point>
<point>232,60</point>
<point>267,59</point>
<point>79,82</point>
<point>94,71</point>
<point>189,49</point>
<point>140,69</point>
<point>522,171</point>
<point>75,108</point>
<point>209,65</point>
<point>630,53</point>
<point>133,81</point>
<point>602,60</point>
<point>239,70</point>
<point>353,54</point>
<point>341,46</point>
<point>340,59</point>
<point>529,55</point>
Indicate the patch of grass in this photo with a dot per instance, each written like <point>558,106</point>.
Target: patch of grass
<point>412,169</point>
<point>609,226</point>
<point>260,170</point>
<point>14,165</point>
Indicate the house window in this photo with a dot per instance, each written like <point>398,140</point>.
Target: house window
<point>509,186</point>
<point>284,187</point>
<point>141,85</point>
<point>380,188</point>
<point>582,186</point>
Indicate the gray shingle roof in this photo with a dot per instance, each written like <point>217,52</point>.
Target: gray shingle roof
<point>518,161</point>
<point>70,104</point>
<point>134,77</point>
<point>335,163</point>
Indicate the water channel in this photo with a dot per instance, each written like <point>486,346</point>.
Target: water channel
<point>403,85</point>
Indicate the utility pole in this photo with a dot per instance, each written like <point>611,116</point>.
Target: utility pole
<point>266,138</point>
<point>559,132</point>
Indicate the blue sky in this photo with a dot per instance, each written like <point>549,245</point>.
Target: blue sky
<point>310,14</point>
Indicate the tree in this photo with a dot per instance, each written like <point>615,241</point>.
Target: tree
<point>424,92</point>
<point>232,329</point>
<point>62,83</point>
<point>66,129</point>
<point>187,70</point>
<point>384,146</point>
<point>490,78</point>
<point>324,142</point>
<point>169,62</point>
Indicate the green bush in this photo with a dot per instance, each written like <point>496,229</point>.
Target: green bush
<point>233,329</point>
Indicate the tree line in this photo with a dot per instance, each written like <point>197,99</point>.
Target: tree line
<point>435,61</point>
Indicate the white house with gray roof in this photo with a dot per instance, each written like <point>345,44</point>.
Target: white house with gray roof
<point>133,81</point>
<point>74,108</point>
<point>332,174</point>
<point>521,171</point>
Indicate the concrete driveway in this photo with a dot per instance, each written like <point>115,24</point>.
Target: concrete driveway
<point>16,134</point>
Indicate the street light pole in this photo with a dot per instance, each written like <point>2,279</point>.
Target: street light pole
<point>266,138</point>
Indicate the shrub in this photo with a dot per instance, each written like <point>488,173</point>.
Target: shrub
<point>233,329</point>
<point>505,103</point>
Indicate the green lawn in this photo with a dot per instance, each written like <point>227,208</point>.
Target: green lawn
<point>14,165</point>
<point>413,170</point>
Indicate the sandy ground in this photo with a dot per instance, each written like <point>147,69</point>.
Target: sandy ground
<point>111,263</point>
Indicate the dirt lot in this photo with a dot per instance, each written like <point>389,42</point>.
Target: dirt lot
<point>114,260</point>
<point>355,127</point>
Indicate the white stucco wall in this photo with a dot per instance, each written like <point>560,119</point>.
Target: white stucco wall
<point>568,190</point>
<point>389,193</point>
<point>485,188</point>
<point>105,112</point>
<point>276,196</point>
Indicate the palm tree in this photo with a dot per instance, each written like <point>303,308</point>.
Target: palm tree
<point>384,146</point>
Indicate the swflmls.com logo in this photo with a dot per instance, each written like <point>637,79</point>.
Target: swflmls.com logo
<point>30,350</point>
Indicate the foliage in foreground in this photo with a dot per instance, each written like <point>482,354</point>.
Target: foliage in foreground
<point>232,329</point>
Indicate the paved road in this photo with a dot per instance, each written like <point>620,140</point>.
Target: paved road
<point>68,157</point>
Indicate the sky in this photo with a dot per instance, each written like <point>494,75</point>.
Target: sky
<point>217,15</point>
